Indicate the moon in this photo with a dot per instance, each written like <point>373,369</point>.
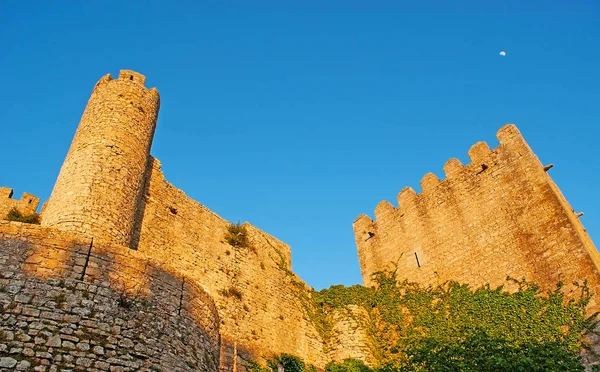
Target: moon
<point>502,53</point>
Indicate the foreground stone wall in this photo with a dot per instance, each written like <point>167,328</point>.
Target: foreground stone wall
<point>252,287</point>
<point>110,308</point>
<point>28,203</point>
<point>499,215</point>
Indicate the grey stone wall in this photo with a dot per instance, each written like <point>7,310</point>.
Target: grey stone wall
<point>51,320</point>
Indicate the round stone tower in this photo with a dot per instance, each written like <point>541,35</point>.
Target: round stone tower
<point>100,185</point>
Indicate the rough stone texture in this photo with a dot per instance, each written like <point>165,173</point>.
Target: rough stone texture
<point>102,178</point>
<point>27,205</point>
<point>111,188</point>
<point>268,318</point>
<point>501,215</point>
<point>126,314</point>
<point>349,339</point>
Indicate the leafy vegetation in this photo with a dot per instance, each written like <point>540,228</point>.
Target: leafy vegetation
<point>347,365</point>
<point>231,292</point>
<point>289,363</point>
<point>15,215</point>
<point>237,235</point>
<point>454,328</point>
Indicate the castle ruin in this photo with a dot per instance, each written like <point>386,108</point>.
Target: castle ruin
<point>114,230</point>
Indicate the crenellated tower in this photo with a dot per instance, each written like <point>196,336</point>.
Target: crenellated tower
<point>500,215</point>
<point>100,185</point>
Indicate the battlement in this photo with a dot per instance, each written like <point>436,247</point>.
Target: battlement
<point>499,215</point>
<point>114,222</point>
<point>127,76</point>
<point>512,144</point>
<point>28,203</point>
<point>130,75</point>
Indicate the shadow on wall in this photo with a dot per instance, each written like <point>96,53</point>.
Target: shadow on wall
<point>124,313</point>
<point>141,202</point>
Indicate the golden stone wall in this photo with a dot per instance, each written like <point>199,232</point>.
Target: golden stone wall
<point>26,205</point>
<point>102,178</point>
<point>349,338</point>
<point>501,215</point>
<point>110,188</point>
<point>267,317</point>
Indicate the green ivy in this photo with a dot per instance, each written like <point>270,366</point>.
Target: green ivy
<point>347,365</point>
<point>290,363</point>
<point>452,327</point>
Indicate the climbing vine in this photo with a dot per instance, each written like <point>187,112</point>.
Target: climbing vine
<point>453,327</point>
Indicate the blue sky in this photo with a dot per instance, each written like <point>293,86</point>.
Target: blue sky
<point>300,117</point>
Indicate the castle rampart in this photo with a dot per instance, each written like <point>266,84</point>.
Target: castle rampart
<point>110,189</point>
<point>74,304</point>
<point>501,215</point>
<point>28,203</point>
<point>267,317</point>
<point>117,236</point>
<point>101,181</point>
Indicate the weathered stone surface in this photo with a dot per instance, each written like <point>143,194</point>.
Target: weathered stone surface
<point>159,259</point>
<point>26,205</point>
<point>501,215</point>
<point>8,362</point>
<point>54,341</point>
<point>37,332</point>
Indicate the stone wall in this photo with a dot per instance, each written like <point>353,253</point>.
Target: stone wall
<point>253,287</point>
<point>101,181</point>
<point>71,304</point>
<point>499,215</point>
<point>349,337</point>
<point>28,203</point>
<point>110,189</point>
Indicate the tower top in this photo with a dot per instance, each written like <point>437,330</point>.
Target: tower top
<point>130,75</point>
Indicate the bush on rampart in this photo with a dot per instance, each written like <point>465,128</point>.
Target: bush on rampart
<point>237,236</point>
<point>15,215</point>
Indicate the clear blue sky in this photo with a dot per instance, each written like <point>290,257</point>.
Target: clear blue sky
<point>300,117</point>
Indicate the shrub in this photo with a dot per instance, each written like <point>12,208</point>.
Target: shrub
<point>237,235</point>
<point>289,362</point>
<point>15,215</point>
<point>231,292</point>
<point>347,365</point>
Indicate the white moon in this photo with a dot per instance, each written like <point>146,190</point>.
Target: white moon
<point>502,53</point>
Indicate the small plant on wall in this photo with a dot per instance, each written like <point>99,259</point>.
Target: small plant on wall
<point>237,235</point>
<point>15,215</point>
<point>231,292</point>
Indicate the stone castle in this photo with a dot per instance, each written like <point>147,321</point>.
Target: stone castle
<point>125,272</point>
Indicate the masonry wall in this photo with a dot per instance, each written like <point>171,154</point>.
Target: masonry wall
<point>110,188</point>
<point>501,215</point>
<point>267,316</point>
<point>28,203</point>
<point>110,308</point>
<point>349,337</point>
<point>101,180</point>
